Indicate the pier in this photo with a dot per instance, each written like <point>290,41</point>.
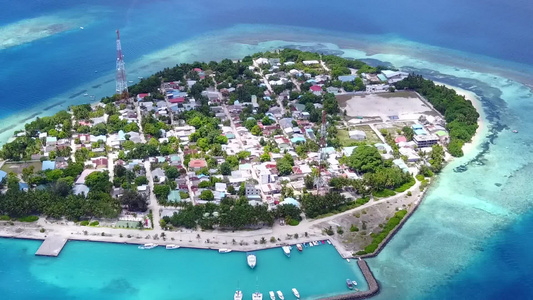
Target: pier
<point>52,246</point>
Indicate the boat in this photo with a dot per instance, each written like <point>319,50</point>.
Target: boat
<point>311,244</point>
<point>257,296</point>
<point>280,295</point>
<point>295,292</point>
<point>287,250</point>
<point>251,259</point>
<point>299,246</point>
<point>348,260</point>
<point>349,284</point>
<point>238,295</point>
<point>224,250</point>
<point>323,242</point>
<point>81,27</point>
<point>272,295</point>
<point>315,243</point>
<point>329,242</point>
<point>172,247</point>
<point>515,131</point>
<point>148,246</point>
<point>354,282</point>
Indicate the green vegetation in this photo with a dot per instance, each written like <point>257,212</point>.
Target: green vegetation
<point>461,116</point>
<point>28,219</point>
<point>94,223</point>
<point>379,237</point>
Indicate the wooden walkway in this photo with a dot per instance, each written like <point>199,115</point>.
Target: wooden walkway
<point>52,246</point>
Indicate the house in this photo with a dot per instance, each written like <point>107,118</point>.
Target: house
<point>316,89</point>
<point>250,190</point>
<point>48,165</point>
<point>220,187</point>
<point>400,139</point>
<point>357,135</point>
<point>290,201</point>
<point>347,151</point>
<point>197,164</point>
<point>394,76</point>
<point>140,97</point>
<point>401,164</point>
<point>310,62</point>
<point>99,162</point>
<point>2,175</point>
<point>84,174</point>
<point>425,140</point>
<point>411,154</point>
<point>158,175</point>
<point>51,141</point>
<point>177,100</point>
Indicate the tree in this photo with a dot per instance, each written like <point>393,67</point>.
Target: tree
<point>265,157</point>
<point>408,132</point>
<point>365,159</point>
<point>99,181</point>
<point>172,172</point>
<point>207,195</point>
<point>225,168</point>
<point>134,201</point>
<point>256,130</point>
<point>161,191</point>
<point>141,180</point>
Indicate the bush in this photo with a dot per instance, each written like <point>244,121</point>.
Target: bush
<point>42,230</point>
<point>272,239</point>
<point>94,223</point>
<point>339,230</point>
<point>293,222</point>
<point>420,177</point>
<point>404,187</point>
<point>329,231</point>
<point>384,193</point>
<point>84,223</point>
<point>409,194</point>
<point>5,218</point>
<point>354,228</point>
<point>28,219</point>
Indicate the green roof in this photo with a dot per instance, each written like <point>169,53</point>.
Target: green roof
<point>441,133</point>
<point>174,196</point>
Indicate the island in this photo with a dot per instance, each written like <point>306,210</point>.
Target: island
<point>313,147</point>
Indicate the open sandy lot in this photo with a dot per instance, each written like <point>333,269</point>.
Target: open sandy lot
<point>405,105</point>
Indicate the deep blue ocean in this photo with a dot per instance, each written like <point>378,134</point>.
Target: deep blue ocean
<point>470,239</point>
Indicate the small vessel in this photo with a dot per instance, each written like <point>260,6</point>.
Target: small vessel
<point>148,246</point>
<point>257,296</point>
<point>354,282</point>
<point>171,247</point>
<point>295,292</point>
<point>315,243</point>
<point>85,94</point>
<point>299,246</point>
<point>251,259</point>
<point>140,77</point>
<point>280,295</point>
<point>349,284</point>
<point>311,244</point>
<point>328,242</point>
<point>81,27</point>
<point>287,250</point>
<point>272,295</point>
<point>323,242</point>
<point>348,260</point>
<point>515,131</point>
<point>224,250</point>
<point>238,295</point>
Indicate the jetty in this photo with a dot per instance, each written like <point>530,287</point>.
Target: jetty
<point>52,246</point>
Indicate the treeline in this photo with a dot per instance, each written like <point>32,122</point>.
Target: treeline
<point>230,214</point>
<point>461,116</point>
<point>57,202</point>
<point>377,238</point>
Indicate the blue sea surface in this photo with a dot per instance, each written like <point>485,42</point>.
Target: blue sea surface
<point>468,239</point>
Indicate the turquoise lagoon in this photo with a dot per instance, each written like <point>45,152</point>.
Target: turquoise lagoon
<point>91,270</point>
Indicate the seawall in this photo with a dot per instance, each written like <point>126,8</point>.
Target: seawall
<point>373,286</point>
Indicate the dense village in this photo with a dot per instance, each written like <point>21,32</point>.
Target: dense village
<point>274,138</point>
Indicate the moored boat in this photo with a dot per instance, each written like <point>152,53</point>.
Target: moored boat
<point>280,295</point>
<point>315,243</point>
<point>299,246</point>
<point>171,247</point>
<point>295,292</point>
<point>329,242</point>
<point>311,244</point>
<point>224,250</point>
<point>354,282</point>
<point>238,295</point>
<point>257,296</point>
<point>349,284</point>
<point>148,246</point>
<point>251,259</point>
<point>272,295</point>
<point>287,250</point>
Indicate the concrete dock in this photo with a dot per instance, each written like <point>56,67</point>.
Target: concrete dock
<point>52,246</point>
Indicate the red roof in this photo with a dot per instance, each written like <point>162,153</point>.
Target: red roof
<point>141,96</point>
<point>177,100</point>
<point>315,88</point>
<point>400,139</point>
<point>197,69</point>
<point>197,163</point>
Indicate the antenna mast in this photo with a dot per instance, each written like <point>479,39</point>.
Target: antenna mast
<point>121,83</point>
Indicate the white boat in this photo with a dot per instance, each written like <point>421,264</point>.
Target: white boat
<point>287,250</point>
<point>311,244</point>
<point>148,246</point>
<point>354,282</point>
<point>348,260</point>
<point>224,250</point>
<point>280,295</point>
<point>272,295</point>
<point>315,243</point>
<point>299,246</point>
<point>257,296</point>
<point>238,295</point>
<point>295,292</point>
<point>251,259</point>
<point>171,247</point>
<point>81,27</point>
<point>328,242</point>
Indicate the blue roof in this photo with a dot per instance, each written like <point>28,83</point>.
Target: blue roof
<point>2,175</point>
<point>174,196</point>
<point>48,165</point>
<point>420,132</point>
<point>417,126</point>
<point>346,78</point>
<point>23,185</point>
<point>290,201</point>
<point>297,139</point>
<point>328,150</point>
